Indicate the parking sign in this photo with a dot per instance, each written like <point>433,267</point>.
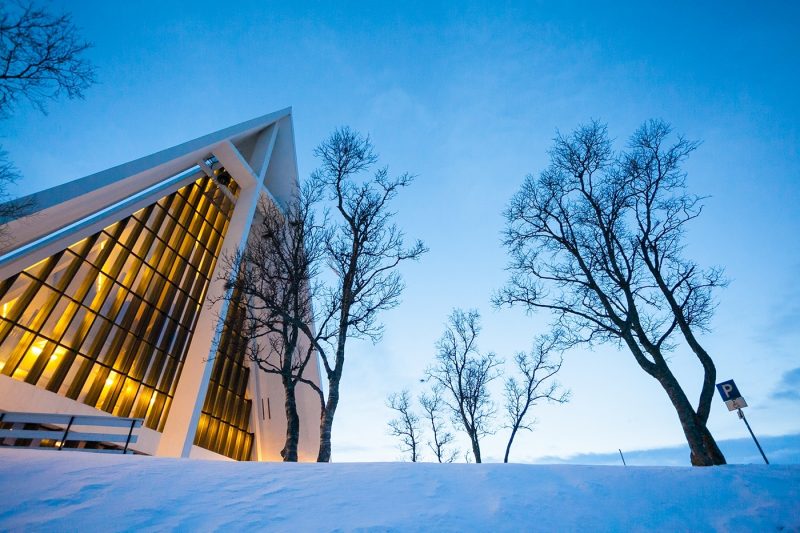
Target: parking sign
<point>730,395</point>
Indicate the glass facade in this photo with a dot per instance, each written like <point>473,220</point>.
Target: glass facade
<point>225,419</point>
<point>107,321</point>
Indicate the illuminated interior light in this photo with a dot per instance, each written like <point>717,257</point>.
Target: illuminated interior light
<point>37,348</point>
<point>110,381</point>
<point>58,352</point>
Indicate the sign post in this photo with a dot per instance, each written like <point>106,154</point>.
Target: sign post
<point>734,401</point>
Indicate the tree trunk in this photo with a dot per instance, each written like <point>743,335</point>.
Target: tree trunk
<point>711,446</point>
<point>476,449</point>
<point>709,370</point>
<point>510,441</point>
<point>326,417</point>
<point>326,422</point>
<point>693,428</point>
<point>289,452</point>
<point>703,449</point>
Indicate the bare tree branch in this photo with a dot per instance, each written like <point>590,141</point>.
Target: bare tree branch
<point>41,57</point>
<point>463,373</point>
<point>406,426</point>
<point>432,405</point>
<point>535,382</point>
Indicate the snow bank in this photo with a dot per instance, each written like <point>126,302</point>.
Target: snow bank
<point>93,492</point>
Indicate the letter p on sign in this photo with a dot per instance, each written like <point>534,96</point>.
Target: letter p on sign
<point>728,390</point>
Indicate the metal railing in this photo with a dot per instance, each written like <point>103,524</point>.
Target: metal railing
<point>61,429</point>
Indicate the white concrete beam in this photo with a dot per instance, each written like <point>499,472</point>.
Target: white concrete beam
<point>235,163</point>
<point>190,393</point>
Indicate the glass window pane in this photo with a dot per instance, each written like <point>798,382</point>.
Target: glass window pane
<point>78,328</point>
<point>113,302</point>
<point>72,373</point>
<point>96,335</point>
<point>62,272</point>
<point>13,348</point>
<point>38,270</point>
<point>129,234</point>
<point>54,360</point>
<point>12,297</point>
<point>59,318</point>
<point>82,280</point>
<point>36,311</point>
<point>110,384</point>
<point>94,253</point>
<point>30,358</point>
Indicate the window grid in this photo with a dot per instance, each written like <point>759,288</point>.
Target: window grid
<point>107,321</point>
<point>224,425</point>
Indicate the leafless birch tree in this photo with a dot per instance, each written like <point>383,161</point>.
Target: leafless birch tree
<point>597,240</point>
<point>406,426</point>
<point>535,382</point>
<point>464,373</point>
<point>273,281</point>
<point>363,252</point>
<point>41,58</point>
<point>10,208</point>
<point>433,406</point>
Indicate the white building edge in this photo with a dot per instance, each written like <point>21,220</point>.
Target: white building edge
<point>110,298</point>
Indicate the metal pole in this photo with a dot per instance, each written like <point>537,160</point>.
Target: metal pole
<point>64,438</point>
<point>130,433</point>
<point>741,415</point>
<point>623,457</point>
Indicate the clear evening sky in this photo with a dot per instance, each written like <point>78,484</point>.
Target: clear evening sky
<point>469,98</point>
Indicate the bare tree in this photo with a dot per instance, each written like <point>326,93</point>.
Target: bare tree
<point>536,382</point>
<point>272,280</point>
<point>406,426</point>
<point>596,239</point>
<point>363,252</point>
<point>10,208</point>
<point>41,57</point>
<point>432,405</point>
<point>662,210</point>
<point>464,373</point>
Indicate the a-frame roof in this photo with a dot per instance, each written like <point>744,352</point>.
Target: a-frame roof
<point>262,147</point>
<point>180,155</point>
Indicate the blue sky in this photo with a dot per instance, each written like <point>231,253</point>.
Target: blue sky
<point>468,97</point>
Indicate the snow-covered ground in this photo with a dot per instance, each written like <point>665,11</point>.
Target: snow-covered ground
<point>51,490</point>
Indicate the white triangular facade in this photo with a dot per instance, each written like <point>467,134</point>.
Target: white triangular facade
<point>111,293</point>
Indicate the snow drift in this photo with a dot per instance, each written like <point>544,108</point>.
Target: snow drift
<point>51,490</point>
